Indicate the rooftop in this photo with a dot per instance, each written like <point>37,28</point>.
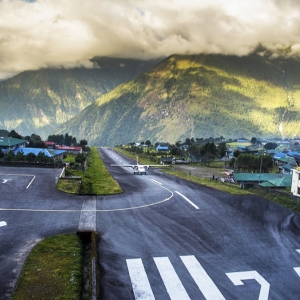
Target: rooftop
<point>9,141</point>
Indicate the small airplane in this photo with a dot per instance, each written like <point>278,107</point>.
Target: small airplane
<point>138,169</point>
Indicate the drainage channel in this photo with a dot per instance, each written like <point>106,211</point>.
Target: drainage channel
<point>87,234</point>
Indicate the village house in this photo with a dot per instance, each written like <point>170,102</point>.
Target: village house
<point>8,144</point>
<point>295,188</point>
<point>69,149</point>
<point>50,153</point>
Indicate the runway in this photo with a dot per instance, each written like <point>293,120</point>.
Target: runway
<point>162,238</point>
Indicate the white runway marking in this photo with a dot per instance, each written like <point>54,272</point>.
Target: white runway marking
<point>139,280</point>
<point>237,277</point>
<point>202,279</point>
<point>155,181</point>
<point>297,270</point>
<point>88,215</point>
<point>188,200</point>
<point>30,182</point>
<point>170,278</point>
<point>3,223</point>
<point>5,180</point>
<point>90,210</point>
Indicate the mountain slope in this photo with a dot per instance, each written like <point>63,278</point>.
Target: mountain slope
<point>39,101</point>
<point>197,96</point>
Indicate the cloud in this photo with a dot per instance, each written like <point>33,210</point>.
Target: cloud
<point>45,33</point>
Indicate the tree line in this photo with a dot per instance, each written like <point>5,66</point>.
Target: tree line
<point>35,141</point>
<point>206,150</point>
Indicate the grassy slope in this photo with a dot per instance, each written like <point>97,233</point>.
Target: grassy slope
<point>197,96</point>
<point>53,270</point>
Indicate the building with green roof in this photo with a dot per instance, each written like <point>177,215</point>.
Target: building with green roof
<point>278,182</point>
<point>256,177</point>
<point>10,144</point>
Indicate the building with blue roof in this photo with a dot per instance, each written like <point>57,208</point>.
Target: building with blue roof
<point>162,148</point>
<point>50,153</point>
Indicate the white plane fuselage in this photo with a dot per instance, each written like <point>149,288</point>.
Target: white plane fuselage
<point>139,169</point>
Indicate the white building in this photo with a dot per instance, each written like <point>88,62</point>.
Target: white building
<point>295,188</point>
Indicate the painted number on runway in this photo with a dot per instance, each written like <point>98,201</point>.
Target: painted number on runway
<point>142,289</point>
<point>5,180</point>
<point>237,277</point>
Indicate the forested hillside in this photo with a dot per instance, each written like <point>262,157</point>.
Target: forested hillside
<point>39,101</point>
<point>197,96</point>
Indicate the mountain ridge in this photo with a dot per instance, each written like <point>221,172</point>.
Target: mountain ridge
<point>38,101</point>
<point>197,96</point>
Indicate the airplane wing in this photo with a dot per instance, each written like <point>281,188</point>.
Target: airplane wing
<point>158,165</point>
<point>132,166</point>
<point>116,165</point>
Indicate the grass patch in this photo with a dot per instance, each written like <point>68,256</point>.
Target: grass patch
<point>216,184</point>
<point>68,186</point>
<point>53,270</point>
<point>283,200</point>
<point>95,179</point>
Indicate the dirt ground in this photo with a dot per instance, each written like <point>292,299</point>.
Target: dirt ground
<point>200,171</point>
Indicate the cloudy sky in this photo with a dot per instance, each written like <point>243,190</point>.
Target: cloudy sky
<point>52,33</point>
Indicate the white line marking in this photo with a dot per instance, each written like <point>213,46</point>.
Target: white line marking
<point>30,182</point>
<point>21,175</point>
<point>171,280</point>
<point>237,277</point>
<point>3,223</point>
<point>139,280</point>
<point>202,279</point>
<point>62,172</point>
<point>297,270</point>
<point>155,181</point>
<point>97,210</point>
<point>87,219</point>
<point>188,200</point>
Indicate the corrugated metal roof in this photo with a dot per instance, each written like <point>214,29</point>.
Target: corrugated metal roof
<point>285,181</point>
<point>48,152</point>
<point>256,177</point>
<point>9,141</point>
<point>288,167</point>
<point>278,155</point>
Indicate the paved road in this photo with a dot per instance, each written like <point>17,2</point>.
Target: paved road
<point>163,238</point>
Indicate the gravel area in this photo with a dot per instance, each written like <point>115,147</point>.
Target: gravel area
<point>199,171</point>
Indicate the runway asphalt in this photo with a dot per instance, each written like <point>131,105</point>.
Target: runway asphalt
<point>163,238</point>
